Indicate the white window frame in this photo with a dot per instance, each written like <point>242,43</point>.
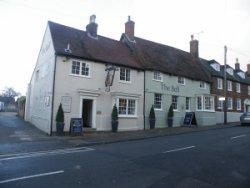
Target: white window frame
<point>158,76</point>
<point>204,85</point>
<point>126,80</point>
<point>203,107</point>
<point>238,87</point>
<point>238,104</point>
<point>220,101</point>
<point>80,70</point>
<point>231,102</point>
<point>230,71</point>
<point>181,80</point>
<point>127,102</point>
<point>177,102</point>
<point>229,83</point>
<point>158,101</point>
<point>219,83</point>
<point>189,104</point>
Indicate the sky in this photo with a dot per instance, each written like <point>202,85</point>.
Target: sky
<point>214,23</point>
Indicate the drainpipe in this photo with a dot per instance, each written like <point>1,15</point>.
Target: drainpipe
<point>52,97</point>
<point>144,100</point>
<point>225,84</point>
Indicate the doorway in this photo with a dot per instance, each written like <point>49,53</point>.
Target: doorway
<point>87,108</point>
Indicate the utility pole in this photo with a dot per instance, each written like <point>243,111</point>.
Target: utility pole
<point>225,84</point>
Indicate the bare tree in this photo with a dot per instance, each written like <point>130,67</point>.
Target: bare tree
<point>10,92</point>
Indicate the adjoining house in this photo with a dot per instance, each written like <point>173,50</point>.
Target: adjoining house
<point>237,86</point>
<point>72,68</point>
<point>172,77</point>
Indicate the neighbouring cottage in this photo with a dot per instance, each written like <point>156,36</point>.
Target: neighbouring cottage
<point>71,69</point>
<point>237,86</point>
<point>172,76</point>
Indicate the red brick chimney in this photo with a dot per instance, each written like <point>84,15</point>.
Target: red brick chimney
<point>237,65</point>
<point>194,47</point>
<point>248,69</point>
<point>91,28</point>
<point>130,28</point>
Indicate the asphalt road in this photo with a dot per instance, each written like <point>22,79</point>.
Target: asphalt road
<point>215,158</point>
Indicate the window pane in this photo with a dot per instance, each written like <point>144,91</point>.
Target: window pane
<point>122,106</point>
<point>131,107</point>
<point>157,101</point>
<point>157,76</point>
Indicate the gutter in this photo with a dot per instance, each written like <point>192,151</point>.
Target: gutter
<point>52,98</point>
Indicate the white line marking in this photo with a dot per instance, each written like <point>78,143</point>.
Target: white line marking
<point>44,153</point>
<point>238,136</point>
<point>31,176</point>
<point>179,149</point>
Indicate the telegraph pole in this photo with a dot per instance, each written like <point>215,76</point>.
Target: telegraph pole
<point>225,84</point>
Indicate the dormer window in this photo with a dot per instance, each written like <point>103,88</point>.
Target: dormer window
<point>216,66</point>
<point>230,71</point>
<point>242,75</point>
<point>181,80</point>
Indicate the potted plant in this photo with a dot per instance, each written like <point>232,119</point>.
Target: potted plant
<point>114,119</point>
<point>152,118</point>
<point>60,120</point>
<point>170,116</point>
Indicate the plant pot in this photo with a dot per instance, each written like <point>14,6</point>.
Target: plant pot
<point>114,125</point>
<point>152,123</point>
<point>59,128</point>
<point>170,122</point>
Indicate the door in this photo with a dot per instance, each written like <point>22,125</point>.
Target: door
<point>87,107</point>
<point>248,108</point>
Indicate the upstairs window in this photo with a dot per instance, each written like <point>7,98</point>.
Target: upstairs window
<point>219,83</point>
<point>229,85</point>
<point>230,71</point>
<point>238,87</point>
<point>203,85</point>
<point>181,80</point>
<point>124,74</point>
<point>216,66</point>
<point>80,68</point>
<point>158,76</point>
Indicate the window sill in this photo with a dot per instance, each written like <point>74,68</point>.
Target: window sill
<point>157,80</point>
<point>205,111</point>
<point>176,110</point>
<point>181,84</point>
<point>128,116</point>
<point>157,109</point>
<point>81,76</point>
<point>124,82</point>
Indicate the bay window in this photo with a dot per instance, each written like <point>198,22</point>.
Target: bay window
<point>205,103</point>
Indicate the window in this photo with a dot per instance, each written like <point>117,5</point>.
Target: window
<point>229,85</point>
<point>205,103</point>
<point>124,74</point>
<point>175,102</point>
<point>127,107</point>
<point>202,85</point>
<point>181,80</point>
<point>219,83</point>
<point>216,66</point>
<point>208,101</point>
<point>248,90</point>
<point>158,101</point>
<point>80,68</point>
<point>238,104</point>
<point>229,103</point>
<point>158,76</point>
<point>187,103</point>
<point>238,87</point>
<point>220,103</point>
<point>230,71</point>
<point>242,75</point>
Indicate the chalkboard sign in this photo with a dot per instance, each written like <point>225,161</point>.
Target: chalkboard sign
<point>190,119</point>
<point>76,126</point>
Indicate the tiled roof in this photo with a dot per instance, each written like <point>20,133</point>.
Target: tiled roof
<point>170,60</point>
<point>82,46</point>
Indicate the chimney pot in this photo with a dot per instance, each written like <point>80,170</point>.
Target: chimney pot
<point>130,28</point>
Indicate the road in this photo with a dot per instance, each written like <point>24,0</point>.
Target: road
<point>214,158</point>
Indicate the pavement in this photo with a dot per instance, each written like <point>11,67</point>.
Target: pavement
<point>214,158</point>
<point>17,135</point>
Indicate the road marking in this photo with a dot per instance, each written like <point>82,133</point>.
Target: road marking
<point>32,176</point>
<point>179,149</point>
<point>44,153</point>
<point>238,136</point>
